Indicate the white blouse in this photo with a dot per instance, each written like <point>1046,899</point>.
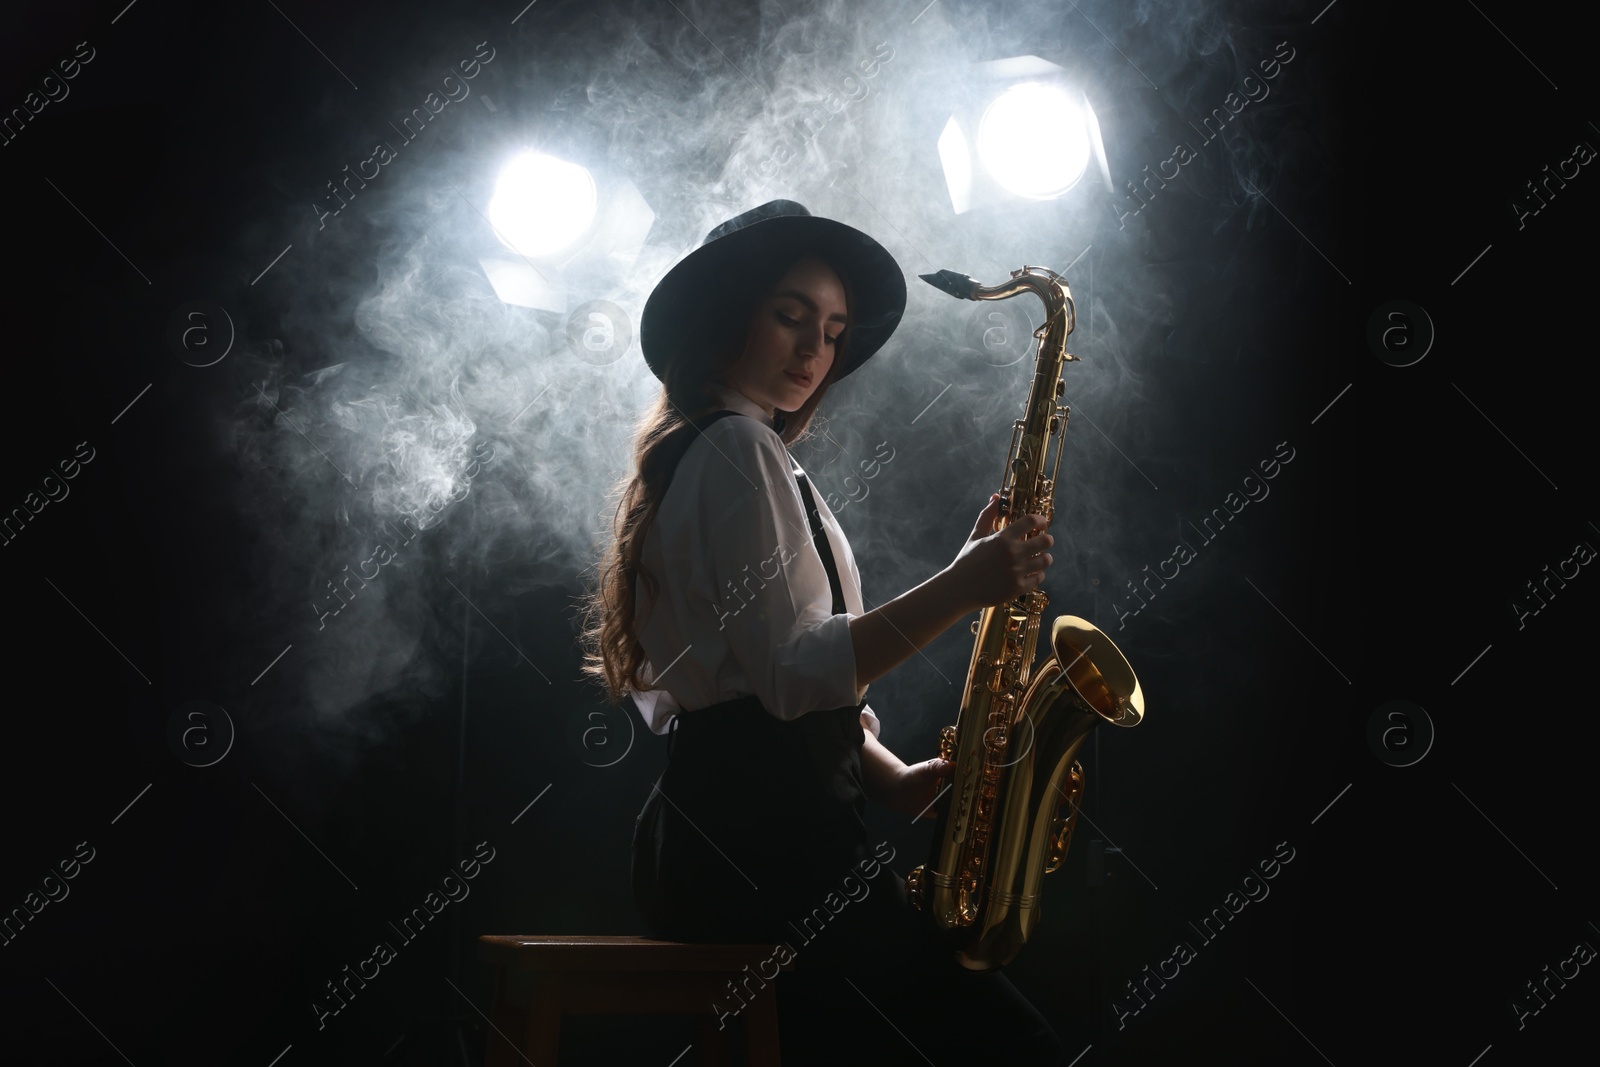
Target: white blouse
<point>745,604</point>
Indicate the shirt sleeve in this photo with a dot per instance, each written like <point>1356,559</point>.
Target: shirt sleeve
<point>869,722</point>
<point>656,706</point>
<point>769,591</point>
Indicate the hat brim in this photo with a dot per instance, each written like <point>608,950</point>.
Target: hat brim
<point>676,308</point>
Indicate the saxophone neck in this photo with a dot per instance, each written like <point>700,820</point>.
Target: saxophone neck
<point>1050,287</point>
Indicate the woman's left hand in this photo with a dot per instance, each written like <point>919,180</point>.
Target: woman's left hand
<point>916,786</point>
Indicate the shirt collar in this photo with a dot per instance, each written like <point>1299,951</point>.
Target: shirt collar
<point>737,401</point>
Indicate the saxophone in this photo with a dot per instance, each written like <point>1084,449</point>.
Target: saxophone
<point>1016,786</point>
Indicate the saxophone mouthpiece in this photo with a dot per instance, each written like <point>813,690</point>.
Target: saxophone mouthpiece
<point>952,282</point>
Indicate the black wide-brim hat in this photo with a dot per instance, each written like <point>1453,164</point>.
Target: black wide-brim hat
<point>695,290</point>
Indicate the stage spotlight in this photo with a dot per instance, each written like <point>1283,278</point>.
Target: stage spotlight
<point>560,221</point>
<point>957,161</point>
<point>1036,135</point>
<point>1034,140</point>
<point>541,204</point>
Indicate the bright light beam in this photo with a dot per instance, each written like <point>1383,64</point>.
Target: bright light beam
<point>541,204</point>
<point>1034,141</point>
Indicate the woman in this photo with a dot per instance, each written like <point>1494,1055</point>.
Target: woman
<point>728,570</point>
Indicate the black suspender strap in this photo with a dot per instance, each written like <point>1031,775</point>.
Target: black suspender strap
<point>819,537</point>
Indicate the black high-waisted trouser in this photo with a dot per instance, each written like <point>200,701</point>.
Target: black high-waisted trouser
<point>756,832</point>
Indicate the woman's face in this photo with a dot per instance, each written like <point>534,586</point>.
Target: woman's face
<point>793,339</point>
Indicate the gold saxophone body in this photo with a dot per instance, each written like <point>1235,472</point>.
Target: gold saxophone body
<point>1015,790</point>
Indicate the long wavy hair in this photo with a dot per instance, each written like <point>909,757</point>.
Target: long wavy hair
<point>612,654</point>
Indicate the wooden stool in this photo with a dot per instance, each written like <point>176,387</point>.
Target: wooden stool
<point>540,978</point>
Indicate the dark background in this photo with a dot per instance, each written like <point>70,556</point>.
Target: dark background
<point>1415,907</point>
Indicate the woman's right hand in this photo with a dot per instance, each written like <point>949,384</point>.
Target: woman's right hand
<point>993,568</point>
